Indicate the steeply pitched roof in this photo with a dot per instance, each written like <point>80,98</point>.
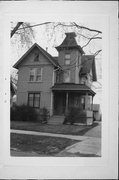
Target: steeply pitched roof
<point>45,53</point>
<point>70,42</point>
<point>72,87</point>
<point>88,63</point>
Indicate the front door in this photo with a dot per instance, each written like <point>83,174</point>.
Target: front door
<point>59,103</point>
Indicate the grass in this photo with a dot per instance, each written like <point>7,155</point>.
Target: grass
<point>57,129</point>
<point>42,145</point>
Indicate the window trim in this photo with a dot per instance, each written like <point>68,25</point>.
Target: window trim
<point>34,99</point>
<point>35,74</point>
<point>67,59</point>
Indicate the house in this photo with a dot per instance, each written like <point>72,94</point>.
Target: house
<point>96,112</point>
<point>57,83</point>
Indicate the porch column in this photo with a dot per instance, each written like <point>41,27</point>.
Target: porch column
<point>92,103</point>
<point>86,101</point>
<point>52,104</point>
<point>67,101</point>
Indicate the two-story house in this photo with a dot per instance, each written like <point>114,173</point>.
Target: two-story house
<point>57,83</point>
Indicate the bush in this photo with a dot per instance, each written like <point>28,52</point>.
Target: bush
<point>75,115</point>
<point>23,113</point>
<point>44,115</point>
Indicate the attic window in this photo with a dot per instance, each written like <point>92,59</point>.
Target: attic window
<point>36,57</point>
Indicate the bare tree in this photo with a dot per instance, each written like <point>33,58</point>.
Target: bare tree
<point>13,31</point>
<point>24,34</point>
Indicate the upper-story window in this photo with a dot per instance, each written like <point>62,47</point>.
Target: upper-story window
<point>35,75</point>
<point>67,76</point>
<point>67,58</point>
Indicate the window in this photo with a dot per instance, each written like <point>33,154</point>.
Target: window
<point>67,76</point>
<point>39,74</point>
<point>32,75</point>
<point>35,75</point>
<point>76,101</point>
<point>67,59</point>
<point>83,102</point>
<point>34,100</point>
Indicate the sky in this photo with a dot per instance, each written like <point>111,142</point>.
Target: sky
<point>48,38</point>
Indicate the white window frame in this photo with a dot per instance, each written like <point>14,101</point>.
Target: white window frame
<point>36,74</point>
<point>39,74</point>
<point>34,99</point>
<point>32,73</point>
<point>67,58</point>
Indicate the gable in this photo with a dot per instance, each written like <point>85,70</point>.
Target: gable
<point>36,55</point>
<point>88,66</point>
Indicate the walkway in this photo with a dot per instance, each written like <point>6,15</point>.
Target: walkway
<point>87,146</point>
<point>48,134</point>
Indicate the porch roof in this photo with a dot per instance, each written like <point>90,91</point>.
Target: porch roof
<point>82,88</point>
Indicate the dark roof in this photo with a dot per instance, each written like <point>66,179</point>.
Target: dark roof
<point>70,42</point>
<point>55,57</point>
<point>72,87</point>
<point>45,53</point>
<point>88,63</point>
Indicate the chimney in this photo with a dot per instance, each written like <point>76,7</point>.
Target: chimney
<point>47,49</point>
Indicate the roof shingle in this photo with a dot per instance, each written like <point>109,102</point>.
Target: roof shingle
<point>72,87</point>
<point>88,63</point>
<point>45,53</point>
<point>70,42</point>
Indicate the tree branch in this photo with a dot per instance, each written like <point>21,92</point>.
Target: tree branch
<point>34,25</point>
<point>97,52</point>
<point>90,40</point>
<point>16,28</point>
<point>83,27</point>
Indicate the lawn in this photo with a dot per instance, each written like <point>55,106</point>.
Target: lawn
<point>58,129</point>
<point>42,145</point>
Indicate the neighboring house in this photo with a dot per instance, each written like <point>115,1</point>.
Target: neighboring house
<point>96,112</point>
<point>57,82</point>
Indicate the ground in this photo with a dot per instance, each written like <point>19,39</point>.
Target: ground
<point>58,129</point>
<point>41,145</point>
<point>34,139</point>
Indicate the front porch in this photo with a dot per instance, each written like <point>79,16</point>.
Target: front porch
<point>66,96</point>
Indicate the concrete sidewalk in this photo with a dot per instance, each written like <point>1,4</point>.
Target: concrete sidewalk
<point>48,134</point>
<point>88,147</point>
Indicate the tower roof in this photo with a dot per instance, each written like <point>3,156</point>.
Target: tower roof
<point>70,42</point>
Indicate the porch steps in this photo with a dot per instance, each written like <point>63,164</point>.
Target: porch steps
<point>55,119</point>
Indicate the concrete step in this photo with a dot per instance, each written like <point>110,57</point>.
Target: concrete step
<point>56,120</point>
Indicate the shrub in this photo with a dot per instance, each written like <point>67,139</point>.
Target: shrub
<point>44,115</point>
<point>23,113</point>
<point>75,115</point>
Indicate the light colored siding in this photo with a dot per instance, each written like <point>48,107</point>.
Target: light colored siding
<point>29,59</point>
<point>44,87</point>
<point>74,72</point>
